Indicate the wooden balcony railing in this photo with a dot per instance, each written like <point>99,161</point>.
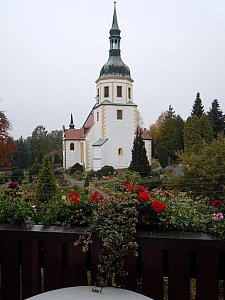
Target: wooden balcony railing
<point>173,266</point>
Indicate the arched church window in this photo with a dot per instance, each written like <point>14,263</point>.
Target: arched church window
<point>71,146</point>
<point>120,151</point>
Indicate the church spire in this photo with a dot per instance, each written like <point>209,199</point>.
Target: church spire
<point>115,23</point>
<point>115,66</point>
<point>114,36</point>
<point>72,126</point>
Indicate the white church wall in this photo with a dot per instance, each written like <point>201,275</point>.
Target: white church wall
<point>148,147</point>
<point>88,150</point>
<point>120,134</point>
<point>72,156</point>
<point>112,84</point>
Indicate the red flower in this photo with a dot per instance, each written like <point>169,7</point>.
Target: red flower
<point>96,197</point>
<point>74,197</point>
<point>143,196</point>
<point>126,182</point>
<point>217,203</point>
<point>158,206</point>
<point>129,187</point>
<point>140,188</point>
<point>13,185</point>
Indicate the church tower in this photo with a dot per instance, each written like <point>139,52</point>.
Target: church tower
<point>107,135</point>
<point>115,83</point>
<point>115,113</point>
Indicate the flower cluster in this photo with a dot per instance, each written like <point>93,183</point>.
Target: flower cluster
<point>96,197</point>
<point>217,203</point>
<point>13,189</point>
<point>143,196</point>
<point>158,206</point>
<point>74,197</point>
<point>150,205</point>
<point>217,217</point>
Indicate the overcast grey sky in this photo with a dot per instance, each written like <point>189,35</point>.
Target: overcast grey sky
<point>51,53</point>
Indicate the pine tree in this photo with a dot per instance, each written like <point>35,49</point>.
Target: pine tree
<point>163,157</point>
<point>34,170</point>
<point>22,158</point>
<point>198,108</point>
<point>206,129</point>
<point>192,135</point>
<point>170,134</point>
<point>216,118</point>
<point>46,184</point>
<point>139,162</point>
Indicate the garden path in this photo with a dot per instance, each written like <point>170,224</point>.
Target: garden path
<point>92,185</point>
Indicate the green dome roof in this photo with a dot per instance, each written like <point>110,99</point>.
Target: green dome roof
<point>115,67</point>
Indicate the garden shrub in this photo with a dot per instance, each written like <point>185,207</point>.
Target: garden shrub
<point>46,185</point>
<point>14,210</point>
<point>151,183</point>
<point>75,168</point>
<point>17,175</point>
<point>106,171</point>
<point>184,214</point>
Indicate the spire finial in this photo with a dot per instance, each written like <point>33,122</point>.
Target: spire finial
<point>115,23</point>
<point>72,126</point>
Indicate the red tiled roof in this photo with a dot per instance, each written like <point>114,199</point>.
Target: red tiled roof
<point>146,135</point>
<point>74,134</point>
<point>79,134</point>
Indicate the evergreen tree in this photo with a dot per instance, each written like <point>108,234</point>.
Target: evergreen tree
<point>46,185</point>
<point>34,170</point>
<point>39,143</point>
<point>204,172</point>
<point>192,135</point>
<point>22,158</point>
<point>139,162</point>
<point>163,157</point>
<point>206,129</point>
<point>170,134</point>
<point>198,108</point>
<point>216,118</point>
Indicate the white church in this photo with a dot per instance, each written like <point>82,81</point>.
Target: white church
<point>107,135</point>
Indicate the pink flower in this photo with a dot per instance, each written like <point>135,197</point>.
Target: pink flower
<point>217,216</point>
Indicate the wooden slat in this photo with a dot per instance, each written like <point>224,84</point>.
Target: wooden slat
<point>179,274</point>
<point>31,270</point>
<point>207,277</point>
<point>95,249</point>
<point>10,270</point>
<point>130,281</point>
<point>152,272</point>
<point>76,271</point>
<point>53,265</point>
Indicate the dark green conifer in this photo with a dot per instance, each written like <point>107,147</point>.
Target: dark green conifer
<point>46,184</point>
<point>216,118</point>
<point>139,162</point>
<point>192,135</point>
<point>198,108</point>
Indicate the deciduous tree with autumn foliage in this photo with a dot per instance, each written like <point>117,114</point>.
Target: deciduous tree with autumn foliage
<point>7,146</point>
